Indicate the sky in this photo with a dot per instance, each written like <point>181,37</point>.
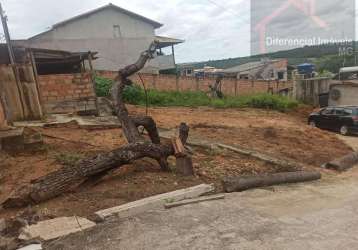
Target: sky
<point>212,29</point>
<point>300,22</point>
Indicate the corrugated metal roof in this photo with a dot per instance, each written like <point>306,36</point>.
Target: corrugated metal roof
<point>245,67</point>
<point>255,66</point>
<point>42,55</point>
<point>167,41</point>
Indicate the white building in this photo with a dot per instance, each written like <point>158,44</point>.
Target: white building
<point>118,36</point>
<point>265,69</point>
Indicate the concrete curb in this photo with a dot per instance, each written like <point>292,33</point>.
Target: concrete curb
<point>154,202</point>
<point>55,228</point>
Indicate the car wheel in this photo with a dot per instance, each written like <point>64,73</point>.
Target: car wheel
<point>313,124</point>
<point>344,130</point>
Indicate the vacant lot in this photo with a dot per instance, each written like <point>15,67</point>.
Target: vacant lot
<point>279,134</point>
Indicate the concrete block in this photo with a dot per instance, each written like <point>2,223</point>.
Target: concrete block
<point>55,228</point>
<point>12,140</point>
<point>154,202</point>
<point>32,247</point>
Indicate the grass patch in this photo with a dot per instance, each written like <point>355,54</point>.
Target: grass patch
<point>68,159</point>
<point>135,95</point>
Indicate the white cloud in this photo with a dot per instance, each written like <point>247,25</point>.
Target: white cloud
<point>209,31</point>
<point>212,29</point>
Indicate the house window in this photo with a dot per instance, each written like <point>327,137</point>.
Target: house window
<point>281,75</point>
<point>117,31</point>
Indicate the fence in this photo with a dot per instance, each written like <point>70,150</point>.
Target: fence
<point>230,86</point>
<point>19,97</point>
<point>2,116</point>
<point>309,90</point>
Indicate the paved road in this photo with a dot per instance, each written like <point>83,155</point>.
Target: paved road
<point>319,215</point>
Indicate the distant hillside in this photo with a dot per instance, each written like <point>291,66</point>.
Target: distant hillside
<point>322,55</point>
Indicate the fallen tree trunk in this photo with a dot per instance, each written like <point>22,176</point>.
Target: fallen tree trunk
<point>344,163</point>
<point>67,178</point>
<point>242,183</point>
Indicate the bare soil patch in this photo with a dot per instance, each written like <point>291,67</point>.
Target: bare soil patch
<point>279,134</point>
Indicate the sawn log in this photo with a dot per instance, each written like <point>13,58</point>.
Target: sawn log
<point>242,183</point>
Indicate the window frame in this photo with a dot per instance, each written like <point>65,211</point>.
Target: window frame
<point>117,31</point>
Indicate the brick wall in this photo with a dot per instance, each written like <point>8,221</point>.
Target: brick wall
<point>67,93</point>
<point>230,86</point>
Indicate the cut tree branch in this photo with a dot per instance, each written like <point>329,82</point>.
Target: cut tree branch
<point>68,178</point>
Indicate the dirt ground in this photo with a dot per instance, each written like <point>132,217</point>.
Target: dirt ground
<point>279,134</point>
<point>282,135</point>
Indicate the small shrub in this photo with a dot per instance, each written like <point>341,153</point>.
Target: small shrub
<point>68,159</point>
<point>103,86</point>
<point>268,101</point>
<point>134,95</point>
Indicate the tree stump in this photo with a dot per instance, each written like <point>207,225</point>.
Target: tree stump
<point>184,163</point>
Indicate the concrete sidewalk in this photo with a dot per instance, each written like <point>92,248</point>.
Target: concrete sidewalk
<point>320,215</point>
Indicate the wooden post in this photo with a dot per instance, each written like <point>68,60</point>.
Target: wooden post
<point>93,79</point>
<point>175,64</point>
<point>177,82</point>
<point>3,115</point>
<point>154,81</point>
<point>36,76</point>
<point>236,86</point>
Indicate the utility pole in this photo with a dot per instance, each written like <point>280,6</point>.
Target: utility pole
<point>12,56</point>
<point>7,36</point>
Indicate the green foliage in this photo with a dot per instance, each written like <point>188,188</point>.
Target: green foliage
<point>135,95</point>
<point>68,159</point>
<point>325,73</point>
<point>329,53</point>
<point>103,86</point>
<point>333,63</point>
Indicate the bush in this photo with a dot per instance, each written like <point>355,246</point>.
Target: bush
<point>136,95</point>
<point>103,86</point>
<point>275,102</point>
